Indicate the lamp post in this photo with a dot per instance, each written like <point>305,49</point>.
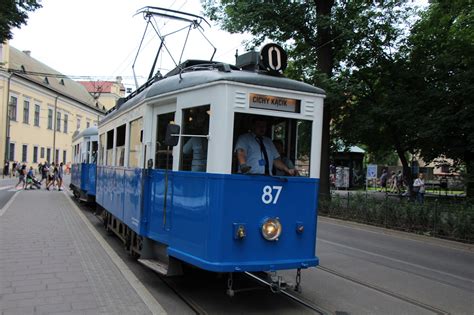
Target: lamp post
<point>8,117</point>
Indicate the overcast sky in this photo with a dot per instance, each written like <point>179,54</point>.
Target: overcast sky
<point>100,38</point>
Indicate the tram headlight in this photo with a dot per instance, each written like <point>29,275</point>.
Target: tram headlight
<point>271,229</point>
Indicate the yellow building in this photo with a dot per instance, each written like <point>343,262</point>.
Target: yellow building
<point>40,109</point>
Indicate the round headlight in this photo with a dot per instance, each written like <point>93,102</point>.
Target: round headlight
<point>271,229</point>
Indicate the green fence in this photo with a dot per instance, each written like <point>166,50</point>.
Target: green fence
<point>451,218</point>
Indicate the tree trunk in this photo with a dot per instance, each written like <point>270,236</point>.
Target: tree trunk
<point>325,63</point>
<point>407,175</point>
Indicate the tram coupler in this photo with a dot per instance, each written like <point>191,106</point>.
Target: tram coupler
<point>277,282</point>
<point>297,287</point>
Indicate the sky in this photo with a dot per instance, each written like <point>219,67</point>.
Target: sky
<point>100,39</point>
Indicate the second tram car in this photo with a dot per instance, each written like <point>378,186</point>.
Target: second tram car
<point>84,152</point>
<point>173,204</point>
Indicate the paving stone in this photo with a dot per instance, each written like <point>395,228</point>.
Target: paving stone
<point>53,308</point>
<point>51,263</point>
<point>26,310</point>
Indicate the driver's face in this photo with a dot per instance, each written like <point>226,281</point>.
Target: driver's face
<point>260,127</point>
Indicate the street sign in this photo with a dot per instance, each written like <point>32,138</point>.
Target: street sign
<point>371,171</point>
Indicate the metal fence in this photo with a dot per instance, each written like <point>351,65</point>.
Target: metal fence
<point>450,218</point>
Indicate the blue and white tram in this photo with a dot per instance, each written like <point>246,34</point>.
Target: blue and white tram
<point>83,170</point>
<point>170,205</point>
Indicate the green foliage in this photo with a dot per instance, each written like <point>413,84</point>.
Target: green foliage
<point>351,34</point>
<point>14,13</point>
<point>442,55</point>
<point>447,219</point>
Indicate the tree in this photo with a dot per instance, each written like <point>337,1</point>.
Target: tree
<point>323,36</point>
<point>382,112</point>
<point>442,55</point>
<point>14,13</point>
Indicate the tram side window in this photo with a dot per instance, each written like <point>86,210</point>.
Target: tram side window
<point>291,140</point>
<point>135,145</point>
<point>110,147</point>
<point>163,154</point>
<point>94,152</point>
<point>194,147</point>
<point>303,147</point>
<point>120,146</point>
<point>76,157</point>
<point>85,151</point>
<point>101,149</point>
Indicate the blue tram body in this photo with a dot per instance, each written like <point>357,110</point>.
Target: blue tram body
<point>165,206</point>
<point>83,178</point>
<point>84,167</point>
<point>204,211</point>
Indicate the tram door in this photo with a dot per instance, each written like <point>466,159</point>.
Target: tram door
<point>163,154</point>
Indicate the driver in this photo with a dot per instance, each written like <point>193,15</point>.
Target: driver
<point>256,154</point>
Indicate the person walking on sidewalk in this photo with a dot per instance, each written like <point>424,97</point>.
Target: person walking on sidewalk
<point>14,168</point>
<point>6,168</point>
<point>60,176</point>
<point>383,180</point>
<point>22,177</point>
<point>52,176</point>
<point>44,172</point>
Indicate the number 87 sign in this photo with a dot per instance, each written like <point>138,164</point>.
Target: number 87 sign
<point>271,194</point>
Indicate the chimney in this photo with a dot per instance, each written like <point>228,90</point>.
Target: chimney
<point>118,79</point>
<point>27,52</point>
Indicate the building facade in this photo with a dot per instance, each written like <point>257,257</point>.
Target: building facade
<point>40,109</point>
<point>107,93</point>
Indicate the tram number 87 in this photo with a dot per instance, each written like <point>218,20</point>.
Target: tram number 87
<point>271,194</point>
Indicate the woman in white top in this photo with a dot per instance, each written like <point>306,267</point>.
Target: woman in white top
<point>419,188</point>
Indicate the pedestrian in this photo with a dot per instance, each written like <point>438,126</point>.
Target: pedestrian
<point>14,170</point>
<point>44,173</point>
<point>40,168</point>
<point>60,176</point>
<point>21,177</point>
<point>383,180</point>
<point>6,168</point>
<point>419,188</point>
<point>51,176</point>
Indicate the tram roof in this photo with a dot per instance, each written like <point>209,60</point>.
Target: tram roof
<point>190,79</point>
<point>91,131</point>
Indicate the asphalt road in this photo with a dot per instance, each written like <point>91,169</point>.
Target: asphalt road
<point>378,271</point>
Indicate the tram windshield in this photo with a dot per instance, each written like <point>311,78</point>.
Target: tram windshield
<point>284,139</point>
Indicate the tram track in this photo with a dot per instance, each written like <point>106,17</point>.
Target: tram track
<point>195,307</point>
<point>384,291</point>
<point>293,297</point>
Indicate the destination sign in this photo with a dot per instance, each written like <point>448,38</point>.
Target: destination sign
<point>274,103</point>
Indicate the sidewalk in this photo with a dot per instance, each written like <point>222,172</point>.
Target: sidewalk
<point>53,261</point>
